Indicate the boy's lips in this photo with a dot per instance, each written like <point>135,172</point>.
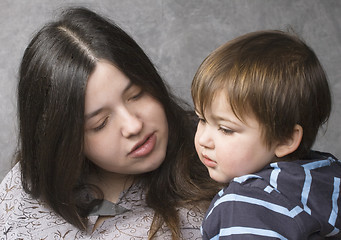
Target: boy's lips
<point>143,147</point>
<point>208,162</point>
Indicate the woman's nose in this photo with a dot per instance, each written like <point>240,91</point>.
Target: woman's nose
<point>131,124</point>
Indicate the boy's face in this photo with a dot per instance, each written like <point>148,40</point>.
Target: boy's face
<point>227,146</point>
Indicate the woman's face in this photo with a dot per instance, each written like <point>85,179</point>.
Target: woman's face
<point>126,129</point>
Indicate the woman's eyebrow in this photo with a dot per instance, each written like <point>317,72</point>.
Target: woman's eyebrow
<point>94,113</point>
<point>129,85</point>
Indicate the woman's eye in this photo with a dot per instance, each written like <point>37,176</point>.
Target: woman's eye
<point>136,96</point>
<point>226,131</point>
<point>102,125</point>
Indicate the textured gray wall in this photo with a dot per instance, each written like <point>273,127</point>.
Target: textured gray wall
<point>177,35</point>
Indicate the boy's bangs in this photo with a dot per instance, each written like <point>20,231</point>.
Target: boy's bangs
<point>205,92</point>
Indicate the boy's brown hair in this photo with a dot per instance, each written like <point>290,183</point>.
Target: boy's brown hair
<point>273,75</point>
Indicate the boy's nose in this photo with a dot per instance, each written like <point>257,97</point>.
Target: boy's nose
<point>205,140</point>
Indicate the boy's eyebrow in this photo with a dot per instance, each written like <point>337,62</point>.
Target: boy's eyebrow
<point>197,112</point>
<point>221,118</point>
<point>98,111</point>
<point>216,117</point>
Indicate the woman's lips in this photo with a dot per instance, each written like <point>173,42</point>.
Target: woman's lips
<point>144,147</point>
<point>208,162</point>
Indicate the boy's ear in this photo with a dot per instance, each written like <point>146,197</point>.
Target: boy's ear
<point>291,144</point>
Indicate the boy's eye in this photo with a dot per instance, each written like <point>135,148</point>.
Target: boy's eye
<point>202,120</point>
<point>226,131</point>
<point>102,125</point>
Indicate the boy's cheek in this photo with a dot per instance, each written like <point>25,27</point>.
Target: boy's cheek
<point>196,143</point>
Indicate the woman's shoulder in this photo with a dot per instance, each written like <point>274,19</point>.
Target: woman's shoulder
<point>191,218</point>
<point>11,185</point>
<point>23,217</point>
<point>190,221</point>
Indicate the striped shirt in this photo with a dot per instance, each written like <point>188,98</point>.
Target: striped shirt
<point>286,200</point>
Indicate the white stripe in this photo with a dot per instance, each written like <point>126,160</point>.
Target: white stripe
<point>268,189</point>
<point>216,237</point>
<point>335,209</point>
<point>247,230</point>
<point>221,192</point>
<point>334,232</point>
<point>318,164</point>
<point>274,174</point>
<point>306,191</point>
<point>243,178</point>
<point>307,182</point>
<point>273,207</point>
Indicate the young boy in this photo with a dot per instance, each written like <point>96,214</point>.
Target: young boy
<point>261,100</point>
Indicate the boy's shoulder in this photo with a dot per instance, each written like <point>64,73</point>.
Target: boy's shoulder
<point>289,178</point>
<point>321,161</point>
<point>302,191</point>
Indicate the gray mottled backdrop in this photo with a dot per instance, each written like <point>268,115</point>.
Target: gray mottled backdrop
<point>177,35</point>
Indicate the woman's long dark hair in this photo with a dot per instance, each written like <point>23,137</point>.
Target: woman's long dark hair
<point>53,75</point>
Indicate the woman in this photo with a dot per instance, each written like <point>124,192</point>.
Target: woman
<point>105,151</point>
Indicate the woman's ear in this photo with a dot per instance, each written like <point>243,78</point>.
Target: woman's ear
<point>291,144</point>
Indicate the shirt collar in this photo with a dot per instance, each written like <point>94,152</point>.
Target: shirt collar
<point>107,208</point>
